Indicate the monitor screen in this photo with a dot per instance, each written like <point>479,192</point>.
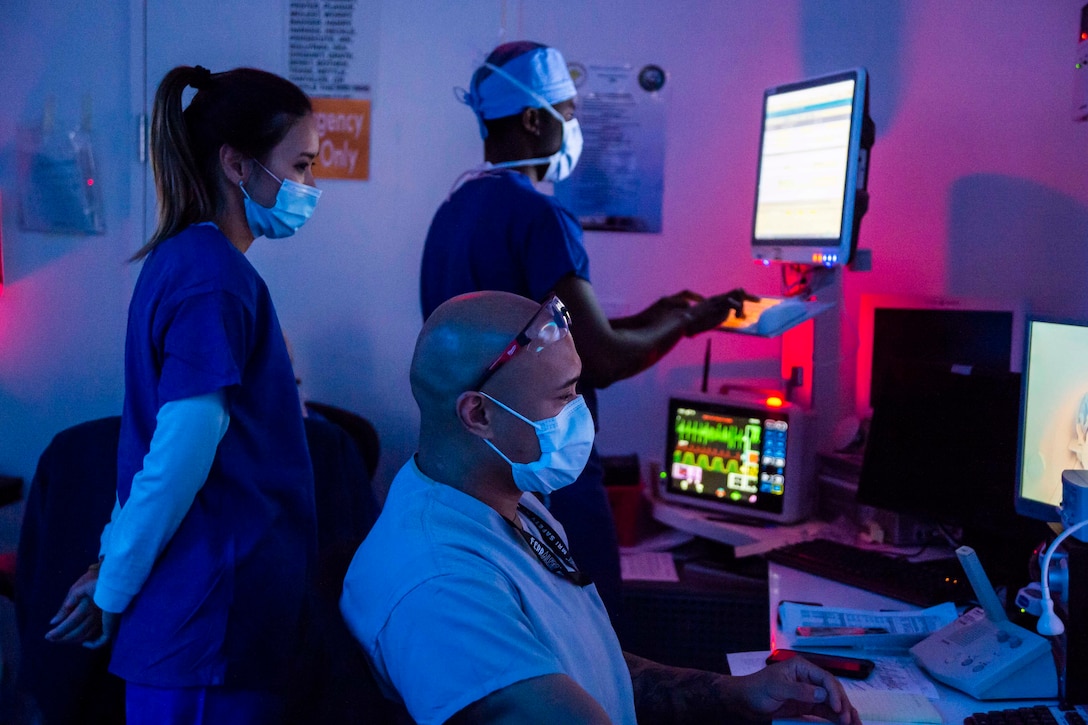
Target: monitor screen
<point>903,331</point>
<point>1053,415</point>
<point>942,447</point>
<point>739,458</point>
<point>813,167</point>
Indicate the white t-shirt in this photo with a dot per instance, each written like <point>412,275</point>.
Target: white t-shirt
<point>451,605</point>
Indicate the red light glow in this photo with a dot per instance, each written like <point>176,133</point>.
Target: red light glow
<point>90,182</point>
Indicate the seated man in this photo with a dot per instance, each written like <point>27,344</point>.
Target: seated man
<point>464,596</point>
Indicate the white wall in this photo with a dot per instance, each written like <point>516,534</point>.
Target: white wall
<point>978,187</point>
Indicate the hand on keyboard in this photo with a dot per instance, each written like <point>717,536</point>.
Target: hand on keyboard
<point>713,311</point>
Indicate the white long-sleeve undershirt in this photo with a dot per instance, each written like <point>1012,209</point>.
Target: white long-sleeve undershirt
<point>187,434</point>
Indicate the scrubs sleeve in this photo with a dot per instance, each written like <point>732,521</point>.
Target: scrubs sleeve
<point>204,346</point>
<point>187,435</point>
<point>554,248</point>
<point>454,640</point>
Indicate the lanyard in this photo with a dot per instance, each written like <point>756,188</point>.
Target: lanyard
<point>551,549</point>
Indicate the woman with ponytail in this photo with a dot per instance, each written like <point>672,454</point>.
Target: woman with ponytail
<point>200,574</point>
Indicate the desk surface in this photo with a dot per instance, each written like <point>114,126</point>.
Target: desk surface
<point>784,583</point>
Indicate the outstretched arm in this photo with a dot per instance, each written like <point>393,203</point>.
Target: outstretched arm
<point>613,350</point>
<point>666,694</point>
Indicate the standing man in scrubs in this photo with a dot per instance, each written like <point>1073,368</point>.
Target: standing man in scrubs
<point>497,231</point>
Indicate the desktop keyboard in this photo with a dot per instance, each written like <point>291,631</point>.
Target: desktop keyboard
<point>922,583</point>
<point>1038,715</point>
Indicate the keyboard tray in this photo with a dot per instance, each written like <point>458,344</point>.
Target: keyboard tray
<point>922,583</point>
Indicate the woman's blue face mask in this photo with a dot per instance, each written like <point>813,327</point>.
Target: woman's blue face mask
<point>295,203</point>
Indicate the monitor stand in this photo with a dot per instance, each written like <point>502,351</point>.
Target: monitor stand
<point>746,539</point>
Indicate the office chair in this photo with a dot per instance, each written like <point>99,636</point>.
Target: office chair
<point>359,428</point>
<point>334,683</point>
<point>70,500</point>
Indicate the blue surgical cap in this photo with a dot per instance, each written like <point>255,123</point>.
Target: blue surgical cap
<point>541,70</point>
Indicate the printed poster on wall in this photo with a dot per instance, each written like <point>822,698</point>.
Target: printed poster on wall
<point>333,56</point>
<point>343,126</point>
<point>619,181</point>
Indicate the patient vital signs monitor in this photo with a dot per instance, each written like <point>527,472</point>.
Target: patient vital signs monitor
<point>736,458</point>
<point>813,169</point>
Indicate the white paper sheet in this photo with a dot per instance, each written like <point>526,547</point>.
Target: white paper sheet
<point>654,566</point>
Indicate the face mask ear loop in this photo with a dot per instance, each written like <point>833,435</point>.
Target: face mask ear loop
<point>501,454</point>
<point>278,179</point>
<point>507,408</point>
<point>242,183</point>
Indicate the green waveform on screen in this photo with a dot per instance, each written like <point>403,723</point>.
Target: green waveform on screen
<point>718,464</point>
<point>734,437</point>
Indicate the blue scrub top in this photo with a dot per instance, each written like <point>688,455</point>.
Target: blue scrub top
<point>497,232</point>
<point>222,604</point>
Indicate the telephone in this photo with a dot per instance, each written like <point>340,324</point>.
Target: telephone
<point>985,655</point>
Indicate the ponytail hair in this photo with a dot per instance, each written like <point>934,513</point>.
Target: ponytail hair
<point>249,109</point>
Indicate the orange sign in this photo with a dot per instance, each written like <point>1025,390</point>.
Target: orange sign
<point>343,126</point>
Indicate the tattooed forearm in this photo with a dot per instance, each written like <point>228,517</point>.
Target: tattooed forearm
<point>666,694</point>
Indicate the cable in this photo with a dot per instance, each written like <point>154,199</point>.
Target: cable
<point>1049,622</point>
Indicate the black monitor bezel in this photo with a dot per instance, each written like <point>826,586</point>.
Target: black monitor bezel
<point>824,251</point>
<point>1029,507</point>
<point>731,407</point>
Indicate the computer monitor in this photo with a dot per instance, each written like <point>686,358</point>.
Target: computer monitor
<point>942,448</point>
<point>813,170</point>
<point>908,331</point>
<point>1053,415</point>
<point>738,458</point>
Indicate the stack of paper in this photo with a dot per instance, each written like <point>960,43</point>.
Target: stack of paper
<point>874,706</point>
<point>811,625</point>
<point>896,691</point>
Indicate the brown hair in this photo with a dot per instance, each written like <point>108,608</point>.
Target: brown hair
<point>249,109</point>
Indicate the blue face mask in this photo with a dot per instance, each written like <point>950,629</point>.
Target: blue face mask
<point>295,203</point>
<point>565,442</point>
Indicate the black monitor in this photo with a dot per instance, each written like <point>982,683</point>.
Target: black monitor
<point>813,170</point>
<point>942,450</point>
<point>942,447</point>
<point>1054,414</point>
<point>909,331</point>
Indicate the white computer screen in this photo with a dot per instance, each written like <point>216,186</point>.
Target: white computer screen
<point>1054,413</point>
<point>804,162</point>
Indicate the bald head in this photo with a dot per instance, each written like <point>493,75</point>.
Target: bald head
<point>459,340</point>
<point>462,427</point>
